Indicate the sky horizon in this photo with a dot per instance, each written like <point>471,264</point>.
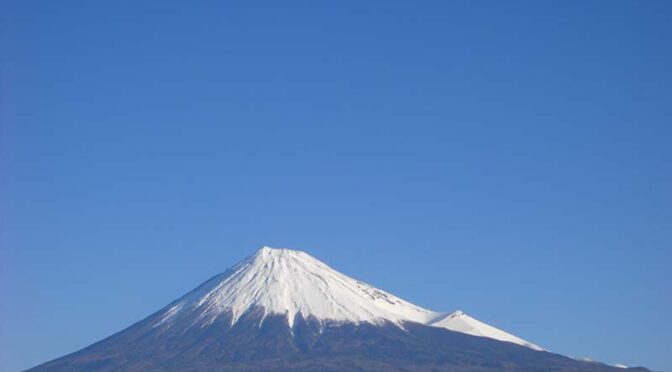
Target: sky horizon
<point>508,159</point>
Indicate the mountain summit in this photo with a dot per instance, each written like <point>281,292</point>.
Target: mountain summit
<point>282,309</point>
<point>292,283</point>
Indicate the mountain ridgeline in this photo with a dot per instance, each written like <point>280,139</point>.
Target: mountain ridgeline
<point>283,310</point>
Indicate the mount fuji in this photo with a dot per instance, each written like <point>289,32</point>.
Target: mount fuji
<point>282,309</point>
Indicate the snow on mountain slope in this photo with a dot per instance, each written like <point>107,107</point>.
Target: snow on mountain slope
<point>284,281</point>
<point>290,282</point>
<point>461,322</point>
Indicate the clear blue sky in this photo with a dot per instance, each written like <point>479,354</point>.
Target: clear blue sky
<point>510,159</point>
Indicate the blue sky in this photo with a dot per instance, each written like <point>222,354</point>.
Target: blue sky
<point>510,159</point>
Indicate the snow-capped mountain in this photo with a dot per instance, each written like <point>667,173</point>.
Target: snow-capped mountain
<point>292,283</point>
<point>281,310</point>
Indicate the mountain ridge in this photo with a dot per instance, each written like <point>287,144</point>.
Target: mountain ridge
<point>282,309</point>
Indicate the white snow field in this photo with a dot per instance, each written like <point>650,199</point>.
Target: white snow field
<point>461,322</point>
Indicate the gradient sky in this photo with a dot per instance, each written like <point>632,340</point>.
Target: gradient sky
<point>510,159</point>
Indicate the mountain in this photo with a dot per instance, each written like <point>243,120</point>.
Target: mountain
<point>282,309</point>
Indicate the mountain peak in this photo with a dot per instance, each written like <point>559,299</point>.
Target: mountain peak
<point>266,254</point>
<point>276,251</point>
<point>290,283</point>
